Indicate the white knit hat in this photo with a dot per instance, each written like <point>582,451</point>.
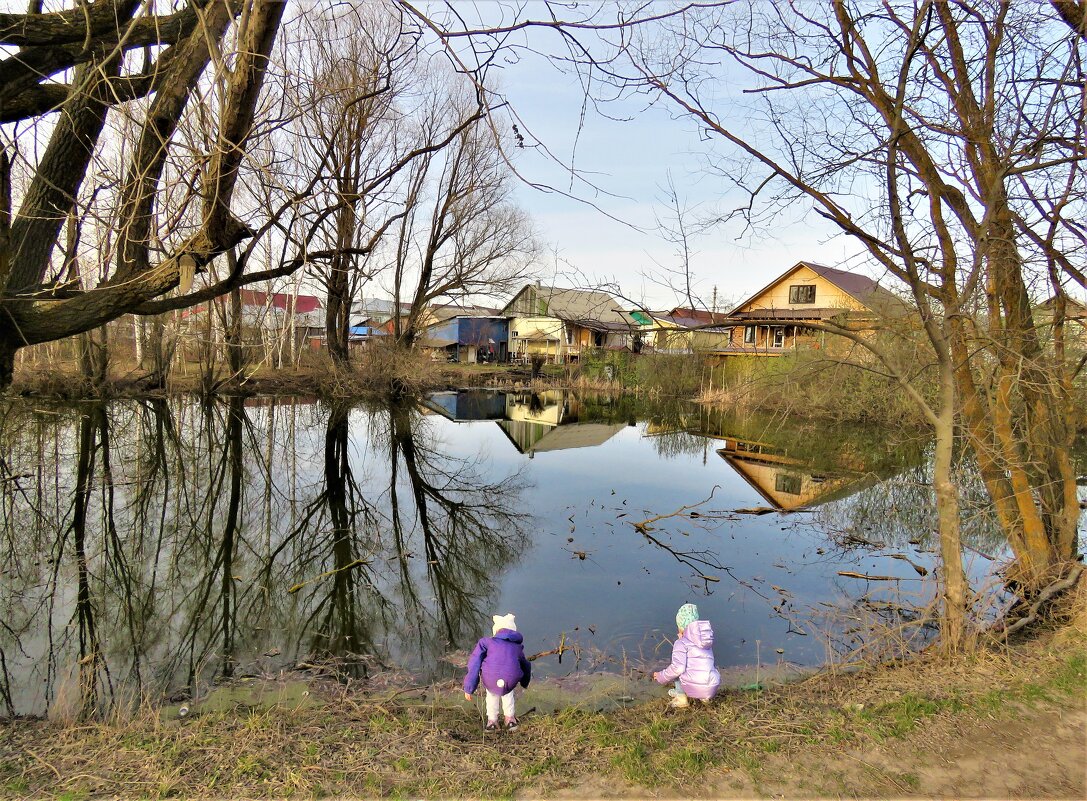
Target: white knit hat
<point>506,621</point>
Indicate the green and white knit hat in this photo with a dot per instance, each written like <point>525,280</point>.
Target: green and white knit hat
<point>687,614</point>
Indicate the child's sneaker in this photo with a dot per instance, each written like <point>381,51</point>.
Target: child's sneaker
<point>511,723</point>
<point>678,701</point>
<point>491,725</point>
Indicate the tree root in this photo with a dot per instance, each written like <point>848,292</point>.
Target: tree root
<point>1058,586</point>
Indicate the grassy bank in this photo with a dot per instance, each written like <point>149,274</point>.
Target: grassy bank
<point>432,745</point>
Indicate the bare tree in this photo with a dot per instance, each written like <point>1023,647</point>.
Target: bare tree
<point>83,64</point>
<point>947,140</point>
<point>460,234</point>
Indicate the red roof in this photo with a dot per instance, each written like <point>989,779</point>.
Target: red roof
<point>280,300</point>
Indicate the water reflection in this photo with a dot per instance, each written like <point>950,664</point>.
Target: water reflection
<point>154,546</point>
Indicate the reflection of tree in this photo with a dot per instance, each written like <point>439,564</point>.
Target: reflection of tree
<point>153,545</point>
<point>338,622</point>
<point>900,511</point>
<point>93,431</point>
<point>470,529</point>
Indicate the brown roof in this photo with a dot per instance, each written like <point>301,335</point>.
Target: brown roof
<point>690,318</point>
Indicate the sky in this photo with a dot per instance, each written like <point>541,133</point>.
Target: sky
<point>611,233</point>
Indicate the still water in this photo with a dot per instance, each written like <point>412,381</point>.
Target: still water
<point>150,546</point>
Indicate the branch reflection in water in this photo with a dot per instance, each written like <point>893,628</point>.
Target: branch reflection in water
<point>153,546</point>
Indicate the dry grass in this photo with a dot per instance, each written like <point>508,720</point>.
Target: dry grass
<point>392,745</point>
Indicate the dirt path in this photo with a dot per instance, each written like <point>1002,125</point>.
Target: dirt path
<point>975,758</point>
<point>959,757</point>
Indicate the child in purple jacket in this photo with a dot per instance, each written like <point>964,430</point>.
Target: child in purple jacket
<point>500,661</point>
<point>692,667</point>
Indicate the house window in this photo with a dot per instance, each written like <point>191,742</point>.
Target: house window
<point>790,485</point>
<point>515,333</point>
<point>749,335</point>
<point>802,293</point>
<point>779,337</point>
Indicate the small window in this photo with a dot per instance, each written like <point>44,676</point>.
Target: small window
<point>515,333</point>
<point>790,485</point>
<point>802,293</point>
<point>749,335</point>
<point>779,337</point>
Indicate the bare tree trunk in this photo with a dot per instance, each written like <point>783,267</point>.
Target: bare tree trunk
<point>947,506</point>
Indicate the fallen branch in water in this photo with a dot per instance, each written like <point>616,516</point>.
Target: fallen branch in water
<point>563,648</point>
<point>643,526</point>
<point>869,577</point>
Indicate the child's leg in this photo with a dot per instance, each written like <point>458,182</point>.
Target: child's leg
<point>492,706</point>
<point>508,703</point>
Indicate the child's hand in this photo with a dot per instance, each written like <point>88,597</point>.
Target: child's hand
<point>467,696</point>
<point>656,676</point>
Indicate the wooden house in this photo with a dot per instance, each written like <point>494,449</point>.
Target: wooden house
<point>685,330</point>
<point>560,325</point>
<point>777,319</point>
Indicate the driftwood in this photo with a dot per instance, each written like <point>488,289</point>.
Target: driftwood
<point>644,525</point>
<point>869,577</point>
<point>563,648</point>
<point>1060,585</point>
<point>921,570</point>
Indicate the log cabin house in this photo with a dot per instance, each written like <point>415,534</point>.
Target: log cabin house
<point>777,319</point>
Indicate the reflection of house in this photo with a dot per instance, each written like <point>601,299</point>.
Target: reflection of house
<point>684,330</point>
<point>787,484</point>
<point>561,324</point>
<point>467,405</point>
<point>468,338</point>
<point>535,422</point>
<point>776,319</point>
<point>547,421</point>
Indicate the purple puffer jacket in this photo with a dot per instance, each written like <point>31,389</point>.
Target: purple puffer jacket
<point>499,657</point>
<point>692,662</point>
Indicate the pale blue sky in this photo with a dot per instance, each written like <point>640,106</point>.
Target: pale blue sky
<point>631,160</point>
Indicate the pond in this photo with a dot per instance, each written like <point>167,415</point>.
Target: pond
<point>153,545</point>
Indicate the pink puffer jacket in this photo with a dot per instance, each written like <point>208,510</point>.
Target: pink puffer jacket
<point>692,662</point>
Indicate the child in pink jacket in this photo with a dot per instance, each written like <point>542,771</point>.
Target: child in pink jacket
<point>692,667</point>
